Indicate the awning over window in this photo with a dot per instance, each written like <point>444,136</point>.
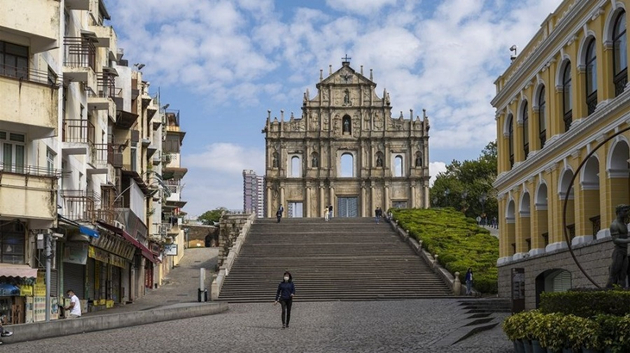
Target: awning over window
<point>145,251</point>
<point>10,270</point>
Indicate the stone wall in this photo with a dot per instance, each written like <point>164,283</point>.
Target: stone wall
<point>230,227</point>
<point>197,236</point>
<point>594,257</point>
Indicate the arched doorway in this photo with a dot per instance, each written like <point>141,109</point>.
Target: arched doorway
<point>554,280</point>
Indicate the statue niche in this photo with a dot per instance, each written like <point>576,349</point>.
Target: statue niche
<point>347,125</point>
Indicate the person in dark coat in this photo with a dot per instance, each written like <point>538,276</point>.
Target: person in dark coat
<point>279,213</point>
<point>284,296</point>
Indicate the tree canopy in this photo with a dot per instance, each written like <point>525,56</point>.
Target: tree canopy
<point>467,186</point>
<point>209,217</point>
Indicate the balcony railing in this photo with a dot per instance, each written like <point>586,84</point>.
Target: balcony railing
<point>591,102</point>
<point>79,204</point>
<point>29,74</point>
<point>79,52</point>
<point>78,130</point>
<point>29,170</point>
<point>107,86</point>
<point>620,80</point>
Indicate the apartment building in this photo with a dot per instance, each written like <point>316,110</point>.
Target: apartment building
<point>80,162</point>
<point>253,193</point>
<point>562,113</point>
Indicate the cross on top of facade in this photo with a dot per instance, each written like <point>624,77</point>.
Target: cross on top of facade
<point>346,59</point>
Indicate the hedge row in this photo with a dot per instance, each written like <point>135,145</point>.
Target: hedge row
<point>586,303</point>
<point>459,242</point>
<point>557,331</point>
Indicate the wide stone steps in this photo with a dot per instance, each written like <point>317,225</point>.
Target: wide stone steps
<point>345,259</point>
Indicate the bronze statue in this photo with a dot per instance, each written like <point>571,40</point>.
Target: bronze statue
<point>619,234</point>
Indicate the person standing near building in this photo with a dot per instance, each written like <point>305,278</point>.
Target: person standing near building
<point>284,296</point>
<point>330,212</point>
<point>279,213</point>
<point>469,281</point>
<point>3,332</point>
<point>378,213</point>
<point>75,305</point>
<point>326,214</point>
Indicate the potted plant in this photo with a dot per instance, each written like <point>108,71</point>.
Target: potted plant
<point>514,328</point>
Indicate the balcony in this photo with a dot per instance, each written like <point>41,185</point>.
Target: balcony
<point>80,60</point>
<point>103,99</point>
<point>30,101</point>
<point>38,20</point>
<point>105,35</point>
<point>78,137</point>
<point>26,192</point>
<point>78,205</point>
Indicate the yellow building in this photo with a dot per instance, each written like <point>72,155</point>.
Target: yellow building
<point>564,94</point>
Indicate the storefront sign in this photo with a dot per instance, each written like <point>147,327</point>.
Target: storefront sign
<point>170,249</point>
<point>26,290</point>
<point>75,253</point>
<point>98,254</point>
<point>117,261</point>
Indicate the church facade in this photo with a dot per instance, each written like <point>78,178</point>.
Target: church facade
<point>346,151</point>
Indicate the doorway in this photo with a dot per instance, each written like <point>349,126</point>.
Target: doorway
<point>347,207</point>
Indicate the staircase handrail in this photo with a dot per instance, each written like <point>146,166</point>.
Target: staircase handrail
<point>431,260</point>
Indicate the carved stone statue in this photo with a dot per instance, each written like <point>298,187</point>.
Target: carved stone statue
<point>274,160</point>
<point>379,160</point>
<point>619,234</point>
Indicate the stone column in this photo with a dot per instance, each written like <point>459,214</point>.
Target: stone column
<point>372,205</point>
<point>386,200</point>
<point>269,204</point>
<point>363,202</point>
<point>332,199</point>
<point>412,196</point>
<point>308,201</point>
<point>322,201</point>
<point>281,201</point>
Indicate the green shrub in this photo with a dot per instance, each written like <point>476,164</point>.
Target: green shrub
<point>586,303</point>
<point>459,242</point>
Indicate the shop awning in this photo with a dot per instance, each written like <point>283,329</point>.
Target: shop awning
<point>19,271</point>
<point>88,231</point>
<point>145,251</point>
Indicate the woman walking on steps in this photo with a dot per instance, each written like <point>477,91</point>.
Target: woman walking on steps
<point>284,295</point>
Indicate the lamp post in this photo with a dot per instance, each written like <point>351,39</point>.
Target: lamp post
<point>446,193</point>
<point>482,200</point>
<point>464,195</point>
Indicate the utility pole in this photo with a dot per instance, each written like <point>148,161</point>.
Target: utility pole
<point>48,251</point>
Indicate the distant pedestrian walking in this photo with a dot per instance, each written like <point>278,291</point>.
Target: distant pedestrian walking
<point>494,222</point>
<point>75,305</point>
<point>330,212</point>
<point>279,213</point>
<point>3,332</point>
<point>284,296</point>
<point>469,281</point>
<point>478,220</point>
<point>326,214</point>
<point>378,213</point>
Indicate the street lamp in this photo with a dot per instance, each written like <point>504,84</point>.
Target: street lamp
<point>464,195</point>
<point>482,200</point>
<point>446,192</point>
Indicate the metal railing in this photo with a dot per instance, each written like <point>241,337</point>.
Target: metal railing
<point>620,81</point>
<point>79,52</point>
<point>29,170</point>
<point>29,74</point>
<point>591,103</point>
<point>107,86</point>
<point>78,130</point>
<point>78,204</point>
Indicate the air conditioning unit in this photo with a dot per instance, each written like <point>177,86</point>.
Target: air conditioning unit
<point>119,225</point>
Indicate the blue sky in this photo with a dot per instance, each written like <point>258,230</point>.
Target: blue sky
<point>224,63</point>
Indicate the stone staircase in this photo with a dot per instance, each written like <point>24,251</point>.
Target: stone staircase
<point>343,259</point>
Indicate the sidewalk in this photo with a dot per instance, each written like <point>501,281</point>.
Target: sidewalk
<point>176,299</point>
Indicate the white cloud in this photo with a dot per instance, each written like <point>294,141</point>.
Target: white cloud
<point>363,7</point>
<point>215,177</point>
<point>436,168</point>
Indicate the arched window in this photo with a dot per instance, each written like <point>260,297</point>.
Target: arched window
<point>542,122</point>
<point>620,55</point>
<point>314,160</point>
<point>525,116</point>
<point>418,159</point>
<point>347,125</point>
<point>398,166</point>
<point>296,167</point>
<point>567,103</point>
<point>347,165</point>
<point>379,159</point>
<point>591,77</point>
<point>511,139</point>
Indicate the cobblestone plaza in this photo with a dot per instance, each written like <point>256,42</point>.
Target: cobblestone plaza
<point>373,326</point>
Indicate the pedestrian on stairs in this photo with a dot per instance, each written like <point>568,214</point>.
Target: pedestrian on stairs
<point>326,214</point>
<point>284,295</point>
<point>330,212</point>
<point>279,213</point>
<point>378,213</point>
<point>469,281</point>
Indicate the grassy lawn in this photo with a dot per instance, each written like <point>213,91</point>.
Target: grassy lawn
<point>458,241</point>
